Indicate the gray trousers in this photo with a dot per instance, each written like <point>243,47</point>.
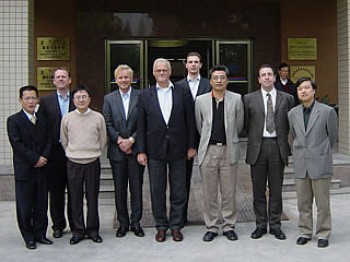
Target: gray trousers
<point>308,190</point>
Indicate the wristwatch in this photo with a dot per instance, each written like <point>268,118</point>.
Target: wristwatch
<point>132,140</point>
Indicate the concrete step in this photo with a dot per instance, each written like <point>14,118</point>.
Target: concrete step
<point>289,184</point>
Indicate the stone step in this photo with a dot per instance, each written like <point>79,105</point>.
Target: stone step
<point>289,184</point>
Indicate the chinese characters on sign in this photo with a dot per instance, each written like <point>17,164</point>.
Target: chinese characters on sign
<point>44,78</point>
<point>302,49</point>
<point>53,48</point>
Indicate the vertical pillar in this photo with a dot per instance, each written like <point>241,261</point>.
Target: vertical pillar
<point>16,62</point>
<point>343,16</point>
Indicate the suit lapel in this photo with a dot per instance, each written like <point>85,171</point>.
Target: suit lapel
<point>28,125</point>
<point>300,118</point>
<point>120,105</point>
<point>154,101</point>
<point>175,98</point>
<point>132,102</point>
<point>315,112</point>
<point>260,102</point>
<point>57,104</point>
<point>228,104</point>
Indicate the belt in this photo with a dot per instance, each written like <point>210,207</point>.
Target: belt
<point>217,144</point>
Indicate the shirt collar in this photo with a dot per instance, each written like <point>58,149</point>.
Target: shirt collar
<point>85,113</point>
<point>61,96</point>
<point>197,79</point>
<point>128,93</point>
<point>170,85</point>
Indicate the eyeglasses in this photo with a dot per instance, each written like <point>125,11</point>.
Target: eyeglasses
<point>28,98</point>
<point>83,97</point>
<point>161,70</point>
<point>219,77</point>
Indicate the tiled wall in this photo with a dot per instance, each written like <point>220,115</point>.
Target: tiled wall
<point>16,60</point>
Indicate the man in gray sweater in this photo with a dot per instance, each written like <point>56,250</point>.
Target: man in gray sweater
<point>83,137</point>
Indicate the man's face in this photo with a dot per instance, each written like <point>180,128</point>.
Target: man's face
<point>305,92</point>
<point>123,79</point>
<point>161,72</point>
<point>61,80</point>
<point>82,100</point>
<point>266,78</point>
<point>219,80</point>
<point>193,65</point>
<point>284,72</point>
<point>29,101</point>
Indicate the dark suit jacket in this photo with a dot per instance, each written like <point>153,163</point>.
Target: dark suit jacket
<point>203,87</point>
<point>117,124</point>
<point>155,138</point>
<point>28,142</point>
<point>50,107</point>
<point>254,119</point>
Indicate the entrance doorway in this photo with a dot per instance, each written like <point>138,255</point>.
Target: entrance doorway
<point>140,55</point>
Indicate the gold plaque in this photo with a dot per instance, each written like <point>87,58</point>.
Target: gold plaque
<point>44,78</point>
<point>300,71</point>
<point>302,49</point>
<point>53,48</point>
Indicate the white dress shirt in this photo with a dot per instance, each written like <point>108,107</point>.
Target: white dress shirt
<point>126,101</point>
<point>165,98</point>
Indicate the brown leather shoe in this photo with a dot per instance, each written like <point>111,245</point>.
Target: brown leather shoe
<point>161,235</point>
<point>177,235</point>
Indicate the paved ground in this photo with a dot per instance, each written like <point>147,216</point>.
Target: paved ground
<point>192,248</point>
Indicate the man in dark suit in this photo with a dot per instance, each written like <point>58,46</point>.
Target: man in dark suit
<point>31,143</point>
<point>197,85</point>
<point>54,107</point>
<point>284,83</point>
<point>120,112</point>
<point>266,123</point>
<point>166,137</point>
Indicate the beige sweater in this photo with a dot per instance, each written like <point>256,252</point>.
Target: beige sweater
<point>83,136</point>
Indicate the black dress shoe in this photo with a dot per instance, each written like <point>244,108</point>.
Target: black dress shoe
<point>177,235</point>
<point>209,236</point>
<point>278,233</point>
<point>96,238</point>
<point>30,244</point>
<point>121,231</point>
<point>161,235</point>
<point>44,241</point>
<point>75,240</point>
<point>302,240</point>
<point>322,243</point>
<point>138,231</point>
<point>258,233</point>
<point>57,233</point>
<point>231,235</point>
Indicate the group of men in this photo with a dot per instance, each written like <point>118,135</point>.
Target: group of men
<point>165,127</point>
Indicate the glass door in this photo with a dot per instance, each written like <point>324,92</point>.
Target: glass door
<point>124,52</point>
<point>237,56</point>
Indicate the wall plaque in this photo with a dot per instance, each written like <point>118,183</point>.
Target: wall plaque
<point>53,48</point>
<point>302,49</point>
<point>44,78</point>
<point>299,71</point>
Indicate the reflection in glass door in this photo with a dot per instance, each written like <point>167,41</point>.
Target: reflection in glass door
<point>124,52</point>
<point>236,55</point>
<point>140,54</point>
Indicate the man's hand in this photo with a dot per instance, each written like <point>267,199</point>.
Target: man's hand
<point>125,145</point>
<point>191,153</point>
<point>41,162</point>
<point>142,159</point>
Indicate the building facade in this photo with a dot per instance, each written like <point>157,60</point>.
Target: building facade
<point>100,34</point>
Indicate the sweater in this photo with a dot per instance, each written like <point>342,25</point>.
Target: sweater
<point>83,136</point>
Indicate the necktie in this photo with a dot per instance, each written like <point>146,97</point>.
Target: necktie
<point>33,119</point>
<point>270,121</point>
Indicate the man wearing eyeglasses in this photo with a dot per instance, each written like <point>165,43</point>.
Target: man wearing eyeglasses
<point>219,118</point>
<point>166,138</point>
<point>83,137</point>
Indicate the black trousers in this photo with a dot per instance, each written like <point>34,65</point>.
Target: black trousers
<point>158,174</point>
<point>80,177</point>
<point>31,207</point>
<point>57,183</point>
<point>268,171</point>
<point>127,173</point>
